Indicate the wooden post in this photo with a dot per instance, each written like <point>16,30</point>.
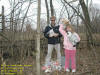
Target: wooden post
<point>38,38</point>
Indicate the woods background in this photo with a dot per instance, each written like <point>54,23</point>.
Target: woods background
<point>21,43</point>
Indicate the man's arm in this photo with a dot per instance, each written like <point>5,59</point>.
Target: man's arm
<point>46,32</point>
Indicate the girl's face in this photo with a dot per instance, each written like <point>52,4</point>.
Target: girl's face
<point>69,28</point>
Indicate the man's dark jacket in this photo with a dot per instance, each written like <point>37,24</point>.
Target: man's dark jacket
<point>52,40</point>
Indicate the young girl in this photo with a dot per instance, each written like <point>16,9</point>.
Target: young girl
<point>71,39</point>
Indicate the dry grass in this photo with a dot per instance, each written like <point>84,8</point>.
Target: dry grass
<point>86,62</point>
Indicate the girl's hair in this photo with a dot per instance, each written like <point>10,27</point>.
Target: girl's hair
<point>67,24</point>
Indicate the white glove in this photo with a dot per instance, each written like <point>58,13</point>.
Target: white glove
<point>51,33</point>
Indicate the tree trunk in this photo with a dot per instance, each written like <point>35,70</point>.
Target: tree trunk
<point>87,21</point>
<point>78,19</point>
<point>47,12</point>
<point>38,38</point>
<point>89,29</point>
<point>3,20</point>
<point>11,20</point>
<point>52,10</point>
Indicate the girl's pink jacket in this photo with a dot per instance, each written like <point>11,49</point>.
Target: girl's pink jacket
<point>67,44</point>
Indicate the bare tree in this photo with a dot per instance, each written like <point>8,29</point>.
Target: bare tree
<point>87,21</point>
<point>46,3</point>
<point>25,15</point>
<point>95,18</point>
<point>85,18</point>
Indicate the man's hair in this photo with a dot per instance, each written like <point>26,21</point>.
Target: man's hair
<point>53,17</point>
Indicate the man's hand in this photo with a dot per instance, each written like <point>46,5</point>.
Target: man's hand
<point>56,35</point>
<point>51,35</point>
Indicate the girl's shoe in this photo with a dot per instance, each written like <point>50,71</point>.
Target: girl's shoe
<point>67,70</point>
<point>74,70</point>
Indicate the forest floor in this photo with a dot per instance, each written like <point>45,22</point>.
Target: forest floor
<point>87,64</point>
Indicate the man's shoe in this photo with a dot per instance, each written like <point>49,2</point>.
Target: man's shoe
<point>48,70</point>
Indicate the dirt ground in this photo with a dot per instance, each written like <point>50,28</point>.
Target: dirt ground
<point>87,64</point>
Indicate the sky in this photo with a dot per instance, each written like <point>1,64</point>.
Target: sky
<point>96,3</point>
<point>33,8</point>
<point>56,4</point>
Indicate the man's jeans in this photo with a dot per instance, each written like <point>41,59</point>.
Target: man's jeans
<point>50,48</point>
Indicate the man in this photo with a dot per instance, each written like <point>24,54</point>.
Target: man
<point>53,35</point>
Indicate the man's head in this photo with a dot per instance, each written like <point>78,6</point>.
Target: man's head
<point>52,19</point>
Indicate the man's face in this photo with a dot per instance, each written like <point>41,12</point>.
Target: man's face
<point>53,22</point>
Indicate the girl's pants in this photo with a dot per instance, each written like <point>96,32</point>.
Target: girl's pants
<point>70,54</point>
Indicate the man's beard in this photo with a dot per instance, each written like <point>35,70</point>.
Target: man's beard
<point>52,24</point>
